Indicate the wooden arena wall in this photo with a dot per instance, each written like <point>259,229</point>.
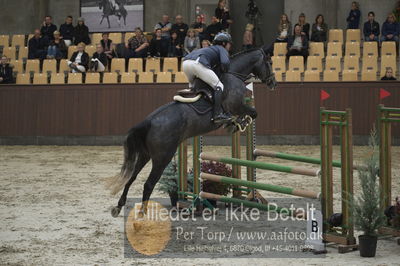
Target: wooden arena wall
<point>105,110</point>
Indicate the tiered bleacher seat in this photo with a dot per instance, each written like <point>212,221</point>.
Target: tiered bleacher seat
<point>146,77</point>
<point>351,63</point>
<point>57,78</point>
<point>314,63</point>
<point>293,76</point>
<point>336,35</point>
<point>22,53</point>
<point>388,48</point>
<point>352,49</point>
<point>118,65</point>
<point>370,49</point>
<point>180,77</point>
<point>18,40</point>
<point>96,38</point>
<point>32,65</point>
<point>153,65</point>
<point>92,78</point>
<point>135,65</point>
<point>23,78</point>
<point>296,63</point>
<point>164,77</point>
<point>10,52</point>
<point>331,75</point>
<point>349,75</point>
<point>280,49</point>
<point>311,75</point>
<point>128,77</point>
<point>332,63</point>
<point>353,35</point>
<point>335,49</point>
<point>63,66</point>
<point>18,66</point>
<point>110,78</point>
<point>4,40</point>
<point>170,64</point>
<point>75,78</point>
<point>388,61</point>
<point>49,65</point>
<point>116,37</point>
<point>317,49</point>
<point>39,78</point>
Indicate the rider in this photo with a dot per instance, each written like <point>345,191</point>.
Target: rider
<point>203,63</point>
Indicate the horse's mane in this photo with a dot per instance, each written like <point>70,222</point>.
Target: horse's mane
<point>245,52</point>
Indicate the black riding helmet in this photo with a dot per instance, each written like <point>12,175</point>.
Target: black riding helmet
<point>222,38</point>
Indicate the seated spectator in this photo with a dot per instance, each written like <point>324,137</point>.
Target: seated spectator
<point>353,20</point>
<point>319,30</point>
<point>199,27</point>
<point>165,27</point>
<point>390,29</point>
<point>175,48</point>
<point>284,30</point>
<point>180,28</point>
<point>37,46</point>
<point>79,60</point>
<point>158,45</point>
<point>222,14</point>
<point>47,29</point>
<point>205,43</point>
<point>371,29</point>
<point>106,44</point>
<point>212,29</point>
<point>57,48</point>
<point>297,44</point>
<point>248,38</point>
<point>99,60</point>
<point>305,27</point>
<point>81,32</point>
<point>388,74</point>
<point>67,31</point>
<point>6,71</point>
<point>192,42</point>
<point>137,45</point>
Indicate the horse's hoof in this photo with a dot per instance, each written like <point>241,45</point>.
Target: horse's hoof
<point>115,211</point>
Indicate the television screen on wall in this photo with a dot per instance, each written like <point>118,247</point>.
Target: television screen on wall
<point>112,15</point>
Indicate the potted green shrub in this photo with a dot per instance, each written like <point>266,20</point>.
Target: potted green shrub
<point>367,213</point>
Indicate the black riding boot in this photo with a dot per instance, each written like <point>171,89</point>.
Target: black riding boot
<point>219,117</point>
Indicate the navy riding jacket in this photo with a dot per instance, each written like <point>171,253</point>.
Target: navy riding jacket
<point>212,57</point>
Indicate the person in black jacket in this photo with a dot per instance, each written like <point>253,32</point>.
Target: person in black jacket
<point>47,29</point>
<point>297,44</point>
<point>175,47</point>
<point>158,45</point>
<point>213,29</point>
<point>371,29</point>
<point>81,32</point>
<point>180,28</point>
<point>388,74</point>
<point>6,71</point>
<point>67,31</point>
<point>99,60</point>
<point>305,27</point>
<point>37,46</point>
<point>222,14</point>
<point>79,60</point>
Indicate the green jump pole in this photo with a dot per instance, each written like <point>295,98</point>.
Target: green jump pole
<point>297,158</point>
<point>267,187</point>
<point>260,165</point>
<point>211,196</point>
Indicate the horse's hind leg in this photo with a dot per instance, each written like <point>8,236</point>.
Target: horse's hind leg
<point>108,21</point>
<point>159,165</point>
<point>142,161</point>
<point>102,18</point>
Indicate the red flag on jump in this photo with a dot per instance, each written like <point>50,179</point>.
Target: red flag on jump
<point>383,94</point>
<point>324,95</point>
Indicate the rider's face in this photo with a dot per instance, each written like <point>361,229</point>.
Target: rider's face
<point>228,46</point>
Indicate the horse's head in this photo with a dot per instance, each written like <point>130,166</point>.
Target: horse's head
<point>263,70</point>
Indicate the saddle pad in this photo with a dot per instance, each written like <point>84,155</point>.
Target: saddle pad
<point>202,106</point>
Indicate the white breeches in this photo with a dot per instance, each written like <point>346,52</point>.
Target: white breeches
<point>194,69</point>
<point>100,66</point>
<point>81,68</point>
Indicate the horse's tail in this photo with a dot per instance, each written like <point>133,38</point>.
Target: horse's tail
<point>134,147</point>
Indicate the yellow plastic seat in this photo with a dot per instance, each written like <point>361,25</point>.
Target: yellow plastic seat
<point>180,77</point>
<point>349,75</point>
<point>164,77</point>
<point>336,35</point>
<point>118,65</point>
<point>75,78</point>
<point>18,40</point>
<point>96,38</point>
<point>353,49</point>
<point>279,63</point>
<point>170,64</point>
<point>314,63</point>
<point>39,78</point>
<point>110,78</point>
<point>92,78</point>
<point>368,75</point>
<point>317,49</point>
<point>293,76</point>
<point>370,49</point>
<point>370,63</point>
<point>389,48</point>
<point>280,49</point>
<point>32,65</point>
<point>71,50</point>
<point>335,49</point>
<point>388,61</point>
<point>23,78</point>
<point>353,35</point>
<point>22,52</point>
<point>331,75</point>
<point>296,63</point>
<point>128,78</point>
<point>146,77</point>
<point>278,76</point>
<point>116,37</point>
<point>49,65</point>
<point>4,40</point>
<point>63,66</point>
<point>90,49</point>
<point>351,63</point>
<point>311,76</point>
<point>135,65</point>
<point>153,65</point>
<point>10,52</point>
<point>333,63</point>
<point>57,78</point>
<point>18,66</point>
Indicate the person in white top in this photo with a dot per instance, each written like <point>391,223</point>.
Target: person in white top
<point>79,60</point>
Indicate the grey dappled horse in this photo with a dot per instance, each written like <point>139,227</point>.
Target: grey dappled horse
<point>159,135</point>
